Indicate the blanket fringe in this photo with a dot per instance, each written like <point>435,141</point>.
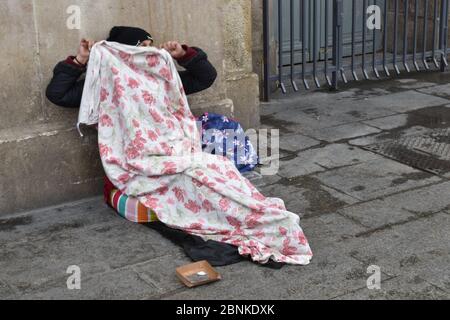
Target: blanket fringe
<point>79,130</point>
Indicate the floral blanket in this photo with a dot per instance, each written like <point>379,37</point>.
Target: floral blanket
<point>151,149</point>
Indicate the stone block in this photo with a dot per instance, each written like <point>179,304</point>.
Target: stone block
<point>46,166</point>
<point>374,179</point>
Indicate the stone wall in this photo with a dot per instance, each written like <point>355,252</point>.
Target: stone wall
<point>44,161</point>
<point>258,43</point>
<point>258,40</point>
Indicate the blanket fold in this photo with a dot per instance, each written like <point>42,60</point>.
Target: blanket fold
<point>151,149</point>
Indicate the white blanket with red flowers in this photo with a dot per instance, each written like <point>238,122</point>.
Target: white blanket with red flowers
<point>151,149</point>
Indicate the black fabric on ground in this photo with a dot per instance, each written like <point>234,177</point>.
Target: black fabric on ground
<point>216,253</point>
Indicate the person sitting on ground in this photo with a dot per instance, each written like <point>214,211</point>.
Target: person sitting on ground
<point>66,88</point>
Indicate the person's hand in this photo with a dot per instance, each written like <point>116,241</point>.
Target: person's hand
<point>84,50</point>
<point>174,48</point>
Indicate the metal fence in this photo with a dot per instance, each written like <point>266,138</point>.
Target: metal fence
<point>326,42</point>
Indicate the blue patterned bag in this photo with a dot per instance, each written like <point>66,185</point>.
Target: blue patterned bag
<point>222,135</point>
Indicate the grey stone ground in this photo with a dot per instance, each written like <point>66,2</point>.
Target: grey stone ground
<point>358,209</point>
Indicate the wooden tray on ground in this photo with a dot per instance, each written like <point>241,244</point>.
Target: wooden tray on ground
<point>197,274</point>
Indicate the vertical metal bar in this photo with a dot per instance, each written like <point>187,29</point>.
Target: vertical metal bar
<point>385,24</point>
<point>425,36</point>
<point>394,60</point>
<point>435,19</point>
<point>405,36</point>
<point>355,76</point>
<point>305,82</point>
<point>280,46</point>
<point>334,77</point>
<point>416,21</point>
<point>443,34</point>
<point>374,49</point>
<point>363,57</point>
<point>341,41</point>
<point>337,42</point>
<point>294,85</point>
<point>327,12</point>
<point>266,53</point>
<point>446,28</point>
<point>316,80</point>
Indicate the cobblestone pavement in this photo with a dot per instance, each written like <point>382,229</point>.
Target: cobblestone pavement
<point>359,206</point>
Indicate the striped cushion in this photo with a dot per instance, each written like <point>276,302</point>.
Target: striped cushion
<point>130,208</point>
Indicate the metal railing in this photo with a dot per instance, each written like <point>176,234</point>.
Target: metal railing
<point>320,42</point>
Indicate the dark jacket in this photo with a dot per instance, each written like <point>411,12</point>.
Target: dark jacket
<point>66,88</point>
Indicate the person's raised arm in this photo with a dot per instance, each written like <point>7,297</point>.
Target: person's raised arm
<point>200,74</point>
<point>65,89</point>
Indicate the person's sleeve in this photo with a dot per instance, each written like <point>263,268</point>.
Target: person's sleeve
<point>200,74</point>
<point>65,89</point>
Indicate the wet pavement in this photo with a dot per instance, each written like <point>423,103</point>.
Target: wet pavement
<point>366,168</point>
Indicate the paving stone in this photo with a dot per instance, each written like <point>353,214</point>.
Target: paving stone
<point>311,99</point>
<point>406,101</point>
<point>293,197</point>
<point>259,180</point>
<point>419,247</point>
<point>406,81</point>
<point>118,285</point>
<point>41,223</point>
<point>348,110</point>
<point>299,121</point>
<point>322,279</point>
<point>296,142</point>
<point>332,272</point>
<point>328,157</point>
<point>266,179</point>
<point>338,155</point>
<point>33,263</point>
<point>374,179</point>
<point>270,163</point>
<point>326,277</point>
<point>326,235</point>
<point>309,198</point>
<point>298,167</point>
<point>161,273</point>
<point>5,291</point>
<point>406,287</point>
<point>337,195</point>
<point>323,115</point>
<point>329,229</point>
<point>236,280</point>
<point>347,131</point>
<point>389,123</point>
<point>266,109</point>
<point>272,153</point>
<point>389,136</point>
<point>422,201</point>
<point>414,84</point>
<point>364,141</point>
<point>314,112</point>
<point>442,90</point>
<point>377,213</point>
